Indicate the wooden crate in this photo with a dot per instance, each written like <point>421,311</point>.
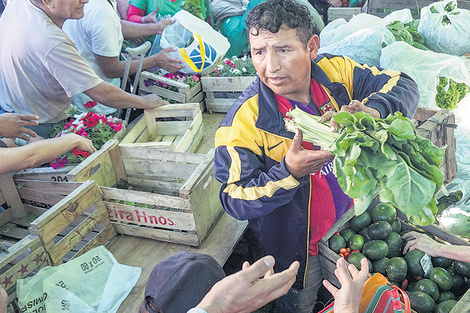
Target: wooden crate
<point>176,127</point>
<point>328,257</point>
<point>221,92</point>
<point>335,13</point>
<point>438,126</point>
<point>80,173</point>
<point>382,8</point>
<point>185,93</point>
<point>68,229</point>
<point>163,195</point>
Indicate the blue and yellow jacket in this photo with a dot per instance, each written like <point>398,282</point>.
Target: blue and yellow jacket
<point>251,143</point>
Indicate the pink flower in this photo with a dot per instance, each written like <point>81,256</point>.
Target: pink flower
<point>90,104</point>
<point>58,163</point>
<point>78,152</point>
<point>196,78</point>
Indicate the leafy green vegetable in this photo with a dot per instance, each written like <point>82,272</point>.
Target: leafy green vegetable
<point>193,7</point>
<point>381,157</point>
<point>449,93</point>
<point>408,33</point>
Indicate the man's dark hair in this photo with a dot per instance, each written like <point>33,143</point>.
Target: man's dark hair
<point>273,14</point>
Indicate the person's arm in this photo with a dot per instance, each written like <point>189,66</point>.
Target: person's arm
<point>348,298</point>
<point>113,68</point>
<point>12,125</point>
<point>136,15</point>
<point>134,30</point>
<point>426,244</point>
<point>249,289</point>
<point>112,96</point>
<point>41,151</point>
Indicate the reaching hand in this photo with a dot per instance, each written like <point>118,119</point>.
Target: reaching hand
<point>164,60</point>
<point>421,242</point>
<point>152,101</point>
<point>160,25</point>
<point>249,289</point>
<point>81,143</point>
<point>12,125</point>
<point>348,298</point>
<point>301,162</point>
<point>151,17</point>
<point>353,107</point>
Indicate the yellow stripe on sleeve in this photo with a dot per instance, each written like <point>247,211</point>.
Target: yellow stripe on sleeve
<point>256,192</point>
<point>236,166</point>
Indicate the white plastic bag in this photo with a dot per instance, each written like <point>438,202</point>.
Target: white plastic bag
<point>92,283</point>
<point>424,67</point>
<point>339,29</point>
<point>206,42</point>
<point>452,38</point>
<point>363,46</point>
<point>403,16</point>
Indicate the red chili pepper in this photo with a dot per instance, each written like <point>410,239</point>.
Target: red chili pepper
<point>343,250</point>
<point>337,233</point>
<point>349,250</point>
<point>341,255</point>
<point>354,251</point>
<point>404,284</point>
<point>346,255</point>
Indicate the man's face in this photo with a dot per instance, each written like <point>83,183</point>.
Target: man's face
<point>283,62</point>
<point>68,9</point>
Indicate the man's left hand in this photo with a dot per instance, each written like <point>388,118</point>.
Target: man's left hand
<point>353,107</point>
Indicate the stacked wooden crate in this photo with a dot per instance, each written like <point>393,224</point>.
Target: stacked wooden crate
<point>163,195</point>
<point>73,226</point>
<point>221,92</point>
<point>382,8</point>
<point>335,13</point>
<point>151,83</point>
<point>176,127</point>
<point>438,126</point>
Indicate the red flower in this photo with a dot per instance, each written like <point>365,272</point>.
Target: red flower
<point>90,104</point>
<point>116,126</point>
<point>58,163</point>
<point>78,152</point>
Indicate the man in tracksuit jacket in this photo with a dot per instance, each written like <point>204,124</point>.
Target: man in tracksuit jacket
<point>283,186</point>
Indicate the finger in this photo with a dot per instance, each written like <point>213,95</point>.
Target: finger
<point>333,126</point>
<point>169,49</point>
<point>297,141</point>
<point>30,133</point>
<point>155,11</point>
<point>29,117</point>
<point>260,268</point>
<point>326,117</point>
<point>364,269</point>
<point>245,265</point>
<point>341,271</point>
<point>353,270</point>
<point>22,136</point>
<point>329,286</point>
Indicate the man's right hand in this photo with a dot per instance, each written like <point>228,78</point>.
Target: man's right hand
<point>153,101</point>
<point>164,60</point>
<point>12,125</point>
<point>301,162</point>
<point>151,17</point>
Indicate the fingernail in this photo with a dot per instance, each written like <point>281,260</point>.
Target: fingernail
<point>341,262</point>
<point>333,128</point>
<point>269,261</point>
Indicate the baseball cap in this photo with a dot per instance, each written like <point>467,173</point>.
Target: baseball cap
<point>179,282</point>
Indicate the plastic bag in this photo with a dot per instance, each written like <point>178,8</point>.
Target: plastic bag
<point>445,28</point>
<point>339,29</point>
<point>363,46</point>
<point>92,283</point>
<point>403,16</point>
<point>199,45</point>
<point>424,67</point>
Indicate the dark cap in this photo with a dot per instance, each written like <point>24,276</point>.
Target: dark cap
<point>179,282</point>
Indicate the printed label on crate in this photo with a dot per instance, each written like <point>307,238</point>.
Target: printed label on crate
<point>426,264</point>
<point>160,218</point>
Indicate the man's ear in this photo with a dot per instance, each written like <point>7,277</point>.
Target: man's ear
<point>313,45</point>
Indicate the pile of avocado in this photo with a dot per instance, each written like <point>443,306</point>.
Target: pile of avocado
<point>377,235</point>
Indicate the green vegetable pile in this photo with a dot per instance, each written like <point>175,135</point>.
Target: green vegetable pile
<point>408,33</point>
<point>193,7</point>
<point>380,157</point>
<point>449,93</point>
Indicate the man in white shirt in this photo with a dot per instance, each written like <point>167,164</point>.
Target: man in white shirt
<point>99,36</point>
